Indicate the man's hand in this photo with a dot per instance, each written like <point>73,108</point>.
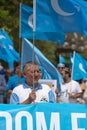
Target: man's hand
<point>71,95</point>
<point>32,97</point>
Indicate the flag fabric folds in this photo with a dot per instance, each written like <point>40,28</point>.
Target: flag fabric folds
<point>26,28</point>
<point>71,59</point>
<point>47,68</point>
<point>83,4</point>
<point>63,13</point>
<point>62,59</point>
<point>79,67</point>
<point>7,51</point>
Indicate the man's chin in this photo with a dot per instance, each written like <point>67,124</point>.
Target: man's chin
<point>35,82</point>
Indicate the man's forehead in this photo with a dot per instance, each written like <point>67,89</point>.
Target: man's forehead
<point>32,66</point>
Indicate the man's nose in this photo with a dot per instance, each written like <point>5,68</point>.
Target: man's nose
<point>36,73</point>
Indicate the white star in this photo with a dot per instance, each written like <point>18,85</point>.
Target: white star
<point>10,47</point>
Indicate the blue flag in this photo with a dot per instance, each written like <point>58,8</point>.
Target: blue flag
<point>26,28</point>
<point>83,4</point>
<point>7,51</point>
<point>47,68</point>
<point>71,59</point>
<point>79,68</point>
<point>68,14</point>
<point>62,59</point>
<point>11,65</point>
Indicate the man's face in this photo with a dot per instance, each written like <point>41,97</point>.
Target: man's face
<point>60,69</point>
<point>32,75</point>
<point>65,75</point>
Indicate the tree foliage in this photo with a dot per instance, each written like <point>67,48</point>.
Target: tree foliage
<point>9,21</point>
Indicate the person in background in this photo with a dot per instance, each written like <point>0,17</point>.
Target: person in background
<point>2,71</point>
<point>8,74</point>
<point>60,67</point>
<point>70,89</point>
<point>2,89</point>
<point>2,84</point>
<point>85,92</point>
<point>82,85</point>
<point>14,80</point>
<point>32,91</point>
<point>80,101</point>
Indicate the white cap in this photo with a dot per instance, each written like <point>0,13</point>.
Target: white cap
<point>60,65</point>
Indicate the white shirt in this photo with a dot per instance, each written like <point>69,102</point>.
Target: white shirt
<point>72,87</point>
<point>21,93</point>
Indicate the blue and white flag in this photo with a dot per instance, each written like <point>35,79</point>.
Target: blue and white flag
<point>71,59</point>
<point>26,28</point>
<point>68,14</point>
<point>79,67</point>
<point>83,4</point>
<point>7,51</point>
<point>47,67</point>
<point>62,59</point>
<point>11,65</point>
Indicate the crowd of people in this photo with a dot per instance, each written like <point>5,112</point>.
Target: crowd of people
<point>23,87</point>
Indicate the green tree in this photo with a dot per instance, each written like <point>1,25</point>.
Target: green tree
<point>10,22</point>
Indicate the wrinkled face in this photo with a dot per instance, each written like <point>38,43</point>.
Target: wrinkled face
<point>32,74</point>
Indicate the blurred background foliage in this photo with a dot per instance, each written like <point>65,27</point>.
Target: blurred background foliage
<point>9,21</point>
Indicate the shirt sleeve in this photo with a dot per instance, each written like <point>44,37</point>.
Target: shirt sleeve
<point>14,99</point>
<point>51,96</point>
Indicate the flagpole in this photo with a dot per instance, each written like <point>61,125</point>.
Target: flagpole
<point>34,29</point>
<point>20,22</point>
<point>34,15</point>
<point>73,65</point>
<point>59,58</point>
<point>20,46</point>
<point>21,59</point>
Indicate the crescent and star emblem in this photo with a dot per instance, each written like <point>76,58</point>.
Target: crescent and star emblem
<point>30,21</point>
<point>57,9</point>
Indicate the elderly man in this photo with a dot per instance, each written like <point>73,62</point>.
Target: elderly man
<point>31,91</point>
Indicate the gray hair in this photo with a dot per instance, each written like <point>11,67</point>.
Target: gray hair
<point>28,64</point>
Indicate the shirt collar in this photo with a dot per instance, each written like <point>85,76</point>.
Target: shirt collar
<point>36,88</point>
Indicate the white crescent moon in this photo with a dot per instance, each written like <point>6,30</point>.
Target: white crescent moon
<point>81,68</point>
<point>30,21</point>
<point>1,36</point>
<point>58,10</point>
<point>72,59</point>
